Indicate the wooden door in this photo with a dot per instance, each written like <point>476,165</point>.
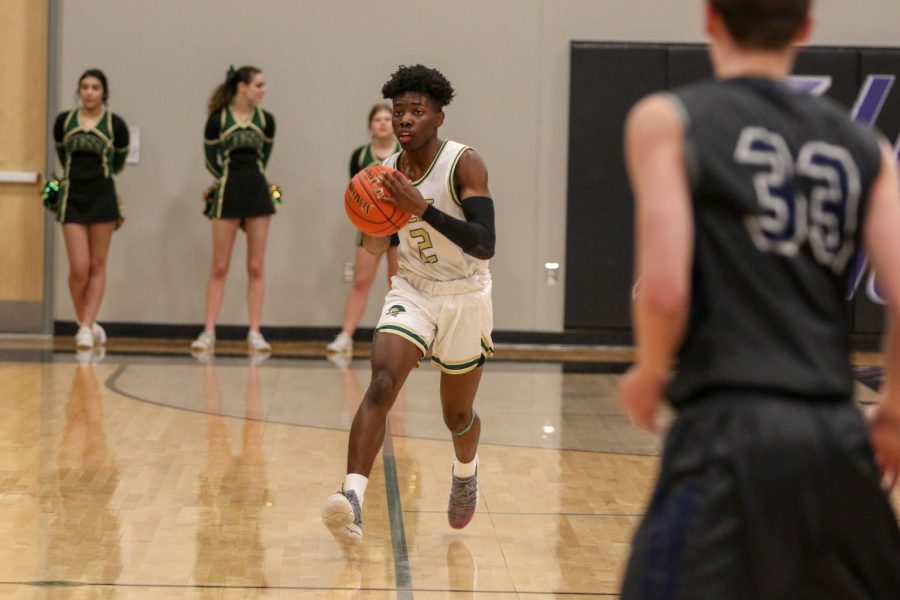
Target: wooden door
<point>23,118</point>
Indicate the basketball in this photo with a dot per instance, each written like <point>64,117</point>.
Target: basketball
<point>364,203</point>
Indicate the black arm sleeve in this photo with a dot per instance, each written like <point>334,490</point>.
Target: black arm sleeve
<point>475,235</point>
<point>354,161</point>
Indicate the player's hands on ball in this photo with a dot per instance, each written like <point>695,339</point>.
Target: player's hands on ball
<point>884,428</point>
<point>404,195</point>
<point>641,396</point>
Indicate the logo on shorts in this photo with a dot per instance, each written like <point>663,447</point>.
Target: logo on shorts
<point>395,310</point>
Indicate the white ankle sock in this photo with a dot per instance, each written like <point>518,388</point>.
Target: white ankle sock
<point>357,483</point>
<point>461,469</point>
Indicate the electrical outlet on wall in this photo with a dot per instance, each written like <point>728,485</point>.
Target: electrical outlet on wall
<point>348,271</point>
<point>551,273</point>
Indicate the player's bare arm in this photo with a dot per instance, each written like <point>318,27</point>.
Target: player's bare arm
<point>883,245</point>
<point>471,176</point>
<point>654,149</point>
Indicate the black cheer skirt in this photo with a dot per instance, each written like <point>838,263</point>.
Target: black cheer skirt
<point>244,191</point>
<point>89,201</point>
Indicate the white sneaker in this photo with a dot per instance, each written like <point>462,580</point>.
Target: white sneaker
<point>257,342</point>
<point>84,339</point>
<point>341,343</point>
<point>205,342</point>
<point>342,515</point>
<point>99,334</point>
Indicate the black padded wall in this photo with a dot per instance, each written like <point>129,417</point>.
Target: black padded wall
<point>598,228</point>
<point>606,80</point>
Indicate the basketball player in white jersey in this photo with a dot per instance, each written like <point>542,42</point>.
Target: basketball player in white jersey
<point>440,299</point>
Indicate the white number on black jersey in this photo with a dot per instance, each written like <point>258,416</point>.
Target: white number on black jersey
<point>813,198</point>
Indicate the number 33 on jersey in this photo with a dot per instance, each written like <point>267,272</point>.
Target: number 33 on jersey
<point>813,197</point>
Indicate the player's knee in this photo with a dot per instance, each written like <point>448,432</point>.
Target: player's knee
<point>382,389</point>
<point>457,420</point>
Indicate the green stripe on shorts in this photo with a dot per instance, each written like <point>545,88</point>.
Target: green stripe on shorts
<point>408,334</point>
<point>457,368</point>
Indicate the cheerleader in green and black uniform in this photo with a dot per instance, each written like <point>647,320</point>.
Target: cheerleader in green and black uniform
<point>92,144</point>
<point>383,145</point>
<point>238,142</point>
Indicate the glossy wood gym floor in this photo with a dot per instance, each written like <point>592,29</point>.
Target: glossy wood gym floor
<point>149,476</point>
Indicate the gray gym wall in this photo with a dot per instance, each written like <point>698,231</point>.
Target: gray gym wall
<point>325,63</point>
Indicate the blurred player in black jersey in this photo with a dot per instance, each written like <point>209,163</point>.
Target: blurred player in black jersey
<point>751,202</point>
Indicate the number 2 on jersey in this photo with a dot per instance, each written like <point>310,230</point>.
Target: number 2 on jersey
<point>813,198</point>
<point>423,241</point>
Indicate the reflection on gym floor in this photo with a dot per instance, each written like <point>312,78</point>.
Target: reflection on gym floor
<point>155,477</point>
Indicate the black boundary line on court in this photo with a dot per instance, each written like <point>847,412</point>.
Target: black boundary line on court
<point>324,334</point>
<point>312,588</point>
<point>112,385</point>
<point>539,514</point>
<point>587,337</point>
<point>402,575</point>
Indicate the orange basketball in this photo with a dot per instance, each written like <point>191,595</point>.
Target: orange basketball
<point>364,203</point>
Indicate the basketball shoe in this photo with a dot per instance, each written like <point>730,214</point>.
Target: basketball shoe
<point>342,515</point>
<point>463,500</point>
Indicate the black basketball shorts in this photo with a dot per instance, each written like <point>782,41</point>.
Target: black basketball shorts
<point>766,498</point>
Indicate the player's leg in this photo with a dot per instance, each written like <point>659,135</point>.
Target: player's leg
<point>404,334</point>
<point>461,346</point>
<point>457,402</point>
<point>691,541</point>
<point>257,229</point>
<point>861,556</point>
<point>224,232</point>
<point>393,357</point>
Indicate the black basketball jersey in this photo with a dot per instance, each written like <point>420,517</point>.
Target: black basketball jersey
<point>779,184</point>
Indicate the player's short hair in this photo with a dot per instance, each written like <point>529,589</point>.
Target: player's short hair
<point>763,24</point>
<point>419,78</point>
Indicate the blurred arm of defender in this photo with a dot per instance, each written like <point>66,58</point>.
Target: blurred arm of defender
<point>664,234</point>
<point>881,231</point>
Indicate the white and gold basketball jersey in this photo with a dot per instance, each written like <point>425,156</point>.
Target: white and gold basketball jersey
<point>424,252</point>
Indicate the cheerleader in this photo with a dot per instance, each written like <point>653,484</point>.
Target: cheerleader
<point>92,144</point>
<point>238,142</point>
<point>383,145</point>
